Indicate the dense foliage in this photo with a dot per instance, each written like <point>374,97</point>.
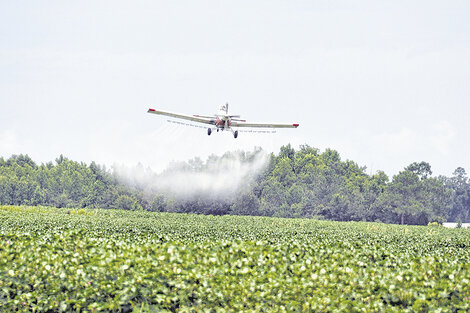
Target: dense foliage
<point>63,184</point>
<point>302,183</point>
<point>116,260</point>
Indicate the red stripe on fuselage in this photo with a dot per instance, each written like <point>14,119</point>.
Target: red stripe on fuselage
<point>220,122</point>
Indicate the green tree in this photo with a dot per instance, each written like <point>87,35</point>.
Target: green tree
<point>422,169</point>
<point>460,184</point>
<point>246,203</point>
<point>402,196</point>
<point>126,202</point>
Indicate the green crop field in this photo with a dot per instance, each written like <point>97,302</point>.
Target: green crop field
<point>108,260</point>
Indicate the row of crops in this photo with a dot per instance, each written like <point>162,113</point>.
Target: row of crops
<point>113,260</point>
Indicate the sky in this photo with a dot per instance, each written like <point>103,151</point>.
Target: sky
<point>385,83</point>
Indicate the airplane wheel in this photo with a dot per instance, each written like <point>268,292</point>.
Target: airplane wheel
<point>235,134</point>
<point>209,131</point>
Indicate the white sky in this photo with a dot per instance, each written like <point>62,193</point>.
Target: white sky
<point>385,83</point>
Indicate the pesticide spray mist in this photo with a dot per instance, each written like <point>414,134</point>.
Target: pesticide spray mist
<point>219,177</point>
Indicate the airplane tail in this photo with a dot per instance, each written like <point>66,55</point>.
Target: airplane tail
<point>232,116</point>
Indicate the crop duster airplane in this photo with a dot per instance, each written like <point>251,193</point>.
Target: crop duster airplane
<point>222,121</point>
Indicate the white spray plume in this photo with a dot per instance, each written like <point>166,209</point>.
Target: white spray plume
<point>218,177</point>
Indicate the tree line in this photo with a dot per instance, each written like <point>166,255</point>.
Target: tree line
<point>294,183</point>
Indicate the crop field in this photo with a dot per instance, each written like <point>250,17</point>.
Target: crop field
<point>108,260</point>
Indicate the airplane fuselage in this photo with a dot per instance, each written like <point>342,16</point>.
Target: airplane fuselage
<point>222,122</point>
<point>222,118</point>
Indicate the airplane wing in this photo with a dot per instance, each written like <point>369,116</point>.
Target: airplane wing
<point>263,125</point>
<point>194,118</point>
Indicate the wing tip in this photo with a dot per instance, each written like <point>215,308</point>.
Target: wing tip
<point>295,125</point>
<point>150,110</point>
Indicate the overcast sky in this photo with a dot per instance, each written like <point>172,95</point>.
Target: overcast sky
<point>385,83</point>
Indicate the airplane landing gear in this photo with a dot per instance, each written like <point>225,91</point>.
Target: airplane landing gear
<point>235,134</point>
<point>209,131</point>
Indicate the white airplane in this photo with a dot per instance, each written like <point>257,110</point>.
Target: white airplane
<point>221,121</point>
